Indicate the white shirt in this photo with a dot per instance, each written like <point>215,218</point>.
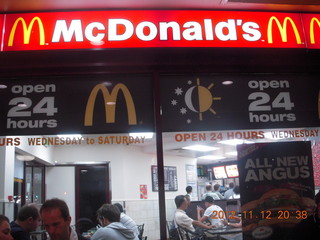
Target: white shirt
<point>183,220</point>
<point>73,235</point>
<point>215,215</point>
<point>228,193</point>
<point>235,196</point>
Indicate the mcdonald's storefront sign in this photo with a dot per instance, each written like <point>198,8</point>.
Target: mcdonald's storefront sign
<point>312,28</point>
<point>159,28</point>
<point>1,25</point>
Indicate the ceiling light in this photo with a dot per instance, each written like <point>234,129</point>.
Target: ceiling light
<point>25,157</point>
<point>234,142</point>
<point>146,135</point>
<point>232,153</point>
<point>228,82</point>
<point>69,135</point>
<point>2,86</point>
<point>111,103</point>
<point>97,43</point>
<point>212,157</point>
<point>22,105</point>
<point>200,148</point>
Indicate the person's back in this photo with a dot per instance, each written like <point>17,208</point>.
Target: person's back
<point>229,192</point>
<point>112,228</point>
<point>114,231</point>
<point>211,194</point>
<point>129,223</point>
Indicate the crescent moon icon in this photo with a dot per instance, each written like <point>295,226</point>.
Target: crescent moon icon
<point>188,99</point>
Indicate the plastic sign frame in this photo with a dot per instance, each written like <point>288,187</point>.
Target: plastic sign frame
<point>159,28</point>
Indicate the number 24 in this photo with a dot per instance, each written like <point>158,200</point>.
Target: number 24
<point>22,104</point>
<point>262,99</point>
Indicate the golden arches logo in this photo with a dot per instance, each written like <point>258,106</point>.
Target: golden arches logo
<point>313,20</point>
<point>27,30</point>
<point>283,29</point>
<point>110,102</point>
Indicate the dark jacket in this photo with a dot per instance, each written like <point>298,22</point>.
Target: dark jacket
<point>18,233</point>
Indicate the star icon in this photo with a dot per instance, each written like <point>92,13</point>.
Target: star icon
<point>174,102</point>
<point>183,111</point>
<point>178,91</point>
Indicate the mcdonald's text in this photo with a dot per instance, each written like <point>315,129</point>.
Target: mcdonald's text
<point>141,28</point>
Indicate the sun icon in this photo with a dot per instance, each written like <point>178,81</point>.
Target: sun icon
<point>205,99</point>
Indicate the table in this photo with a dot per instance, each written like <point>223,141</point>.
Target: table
<point>227,230</point>
<point>235,236</point>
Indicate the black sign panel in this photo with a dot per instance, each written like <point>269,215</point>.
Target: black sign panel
<point>277,187</point>
<point>104,104</point>
<point>215,102</point>
<point>170,178</point>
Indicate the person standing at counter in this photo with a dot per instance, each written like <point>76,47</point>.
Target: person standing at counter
<point>213,213</point>
<point>210,193</point>
<point>216,191</point>
<point>229,192</point>
<point>189,192</point>
<point>236,193</point>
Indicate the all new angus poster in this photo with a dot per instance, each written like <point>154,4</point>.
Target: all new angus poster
<point>277,188</point>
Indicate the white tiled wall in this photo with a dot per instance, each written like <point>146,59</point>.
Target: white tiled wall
<point>147,212</point>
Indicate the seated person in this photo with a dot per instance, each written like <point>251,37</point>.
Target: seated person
<point>112,229</point>
<point>183,220</point>
<point>213,213</point>
<point>56,219</point>
<point>126,220</point>
<point>27,221</point>
<point>5,228</point>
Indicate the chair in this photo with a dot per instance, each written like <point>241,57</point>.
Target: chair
<point>141,230</point>
<point>172,231</point>
<point>188,235</point>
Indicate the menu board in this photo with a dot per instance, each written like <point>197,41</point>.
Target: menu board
<point>232,171</point>
<point>219,172</point>
<point>170,178</point>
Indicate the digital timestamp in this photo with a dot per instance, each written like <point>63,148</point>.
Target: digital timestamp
<point>279,214</point>
<point>266,214</point>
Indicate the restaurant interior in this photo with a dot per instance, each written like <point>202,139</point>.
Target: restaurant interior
<point>124,170</point>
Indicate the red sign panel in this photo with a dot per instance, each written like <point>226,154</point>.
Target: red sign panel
<point>312,29</point>
<point>142,28</point>
<point>1,32</point>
